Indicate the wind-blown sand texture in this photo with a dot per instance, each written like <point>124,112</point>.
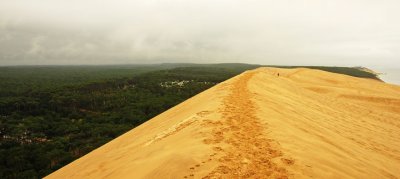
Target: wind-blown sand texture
<point>301,124</point>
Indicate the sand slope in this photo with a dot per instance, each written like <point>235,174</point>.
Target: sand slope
<point>304,123</point>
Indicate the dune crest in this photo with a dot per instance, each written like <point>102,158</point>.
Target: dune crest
<point>264,123</point>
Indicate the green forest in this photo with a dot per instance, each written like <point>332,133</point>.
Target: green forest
<point>52,115</point>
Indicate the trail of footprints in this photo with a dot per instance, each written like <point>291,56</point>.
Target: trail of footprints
<point>193,168</point>
<point>239,145</point>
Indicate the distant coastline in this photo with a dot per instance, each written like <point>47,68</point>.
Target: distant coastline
<point>389,75</point>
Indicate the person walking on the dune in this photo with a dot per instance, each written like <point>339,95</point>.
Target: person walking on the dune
<point>278,74</point>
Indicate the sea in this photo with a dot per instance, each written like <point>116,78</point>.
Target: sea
<point>389,75</point>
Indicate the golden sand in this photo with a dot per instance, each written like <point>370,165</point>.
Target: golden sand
<point>301,124</point>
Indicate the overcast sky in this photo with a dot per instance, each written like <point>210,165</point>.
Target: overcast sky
<point>281,32</point>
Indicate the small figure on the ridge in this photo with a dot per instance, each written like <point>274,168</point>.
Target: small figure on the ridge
<point>278,74</point>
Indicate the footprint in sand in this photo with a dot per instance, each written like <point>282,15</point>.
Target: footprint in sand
<point>287,161</point>
<point>242,132</point>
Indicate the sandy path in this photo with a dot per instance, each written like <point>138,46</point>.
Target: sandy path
<point>238,138</point>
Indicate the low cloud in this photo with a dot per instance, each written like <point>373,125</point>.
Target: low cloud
<point>300,32</point>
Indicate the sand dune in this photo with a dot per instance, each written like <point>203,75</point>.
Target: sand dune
<point>301,124</point>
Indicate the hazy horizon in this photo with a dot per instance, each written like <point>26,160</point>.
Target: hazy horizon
<point>330,33</point>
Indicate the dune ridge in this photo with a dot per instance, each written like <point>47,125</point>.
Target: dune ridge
<point>301,123</point>
<point>245,151</point>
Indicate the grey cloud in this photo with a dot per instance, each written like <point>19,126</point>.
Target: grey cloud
<point>299,32</point>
